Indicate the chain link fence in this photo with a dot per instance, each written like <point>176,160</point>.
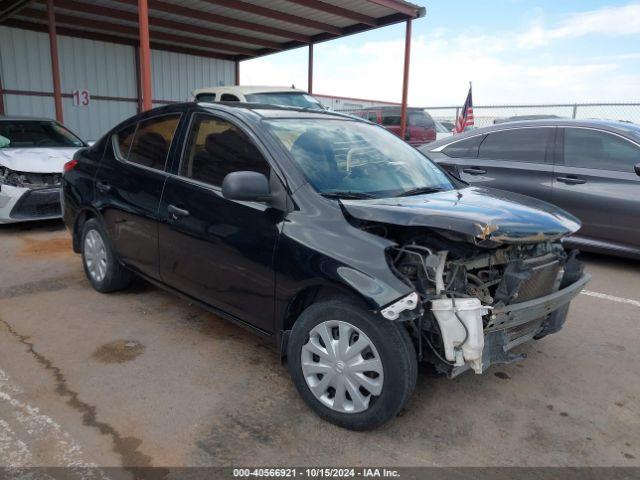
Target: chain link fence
<point>486,115</point>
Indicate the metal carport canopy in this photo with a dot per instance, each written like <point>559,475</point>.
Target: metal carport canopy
<point>228,29</point>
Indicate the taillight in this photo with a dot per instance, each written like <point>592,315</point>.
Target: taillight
<point>70,165</point>
<point>431,134</point>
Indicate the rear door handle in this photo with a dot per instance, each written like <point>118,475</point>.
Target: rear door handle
<point>474,171</point>
<point>177,211</point>
<point>571,180</point>
<point>103,187</point>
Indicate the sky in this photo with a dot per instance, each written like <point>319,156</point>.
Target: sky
<point>514,52</point>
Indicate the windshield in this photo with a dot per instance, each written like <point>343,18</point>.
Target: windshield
<point>33,133</point>
<point>351,158</point>
<point>288,99</point>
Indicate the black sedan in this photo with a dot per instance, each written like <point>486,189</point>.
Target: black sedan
<point>329,235</point>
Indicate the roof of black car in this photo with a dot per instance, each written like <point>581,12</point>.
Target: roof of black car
<point>277,111</point>
<point>623,128</point>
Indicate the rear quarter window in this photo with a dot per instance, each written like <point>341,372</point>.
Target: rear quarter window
<point>467,148</point>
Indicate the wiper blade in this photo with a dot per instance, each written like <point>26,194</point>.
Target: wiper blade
<point>347,195</point>
<point>420,190</point>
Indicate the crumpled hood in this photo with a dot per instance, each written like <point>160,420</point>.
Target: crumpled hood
<point>484,213</point>
<point>36,160</point>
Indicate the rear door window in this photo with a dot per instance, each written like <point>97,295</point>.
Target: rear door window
<point>122,141</point>
<point>517,145</point>
<point>152,141</point>
<point>600,150</point>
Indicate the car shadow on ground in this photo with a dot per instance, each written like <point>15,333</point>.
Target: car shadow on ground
<point>53,225</point>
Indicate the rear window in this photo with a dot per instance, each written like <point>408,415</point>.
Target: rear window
<point>414,119</point>
<point>420,119</point>
<point>30,134</point>
<point>206,97</point>
<point>287,99</point>
<point>391,119</point>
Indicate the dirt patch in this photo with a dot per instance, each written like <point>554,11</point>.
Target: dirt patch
<point>118,351</point>
<point>37,286</point>
<point>32,247</point>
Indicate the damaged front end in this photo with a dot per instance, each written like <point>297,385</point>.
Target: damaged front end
<point>28,195</point>
<point>478,293</point>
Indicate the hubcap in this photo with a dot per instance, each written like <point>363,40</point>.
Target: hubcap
<point>342,366</point>
<point>95,255</point>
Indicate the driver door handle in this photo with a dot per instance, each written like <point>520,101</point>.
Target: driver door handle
<point>571,180</point>
<point>177,211</point>
<point>474,171</point>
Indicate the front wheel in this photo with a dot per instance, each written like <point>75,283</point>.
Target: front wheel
<point>353,368</point>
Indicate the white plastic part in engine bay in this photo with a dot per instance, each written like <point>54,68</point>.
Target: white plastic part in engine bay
<point>469,312</point>
<point>393,311</point>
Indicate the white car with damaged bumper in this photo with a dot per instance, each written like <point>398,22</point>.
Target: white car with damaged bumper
<point>33,152</point>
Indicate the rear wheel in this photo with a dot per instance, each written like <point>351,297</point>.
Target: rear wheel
<point>100,264</point>
<point>352,367</point>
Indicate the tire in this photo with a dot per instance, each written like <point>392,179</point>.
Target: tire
<point>101,267</point>
<point>393,361</point>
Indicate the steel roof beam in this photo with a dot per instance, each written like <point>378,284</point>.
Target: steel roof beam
<point>275,15</point>
<point>402,7</point>
<point>73,20</point>
<point>195,14</point>
<point>161,22</point>
<point>108,37</point>
<point>336,10</point>
<point>10,7</point>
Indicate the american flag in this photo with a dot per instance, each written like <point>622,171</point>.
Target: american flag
<point>465,119</point>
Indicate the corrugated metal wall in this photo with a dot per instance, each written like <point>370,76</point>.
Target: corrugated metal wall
<point>176,75</point>
<point>104,69</point>
<point>25,64</point>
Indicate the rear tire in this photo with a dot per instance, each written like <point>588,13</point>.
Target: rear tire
<point>378,379</point>
<point>101,267</point>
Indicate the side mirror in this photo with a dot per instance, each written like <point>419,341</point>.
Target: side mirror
<point>246,186</point>
<point>637,169</point>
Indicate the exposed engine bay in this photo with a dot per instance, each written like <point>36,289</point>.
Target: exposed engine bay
<point>476,300</point>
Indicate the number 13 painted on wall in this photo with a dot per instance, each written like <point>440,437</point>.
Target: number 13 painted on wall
<point>81,98</point>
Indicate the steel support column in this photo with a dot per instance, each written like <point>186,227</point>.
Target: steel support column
<point>55,64</point>
<point>136,55</point>
<point>145,55</point>
<point>310,72</point>
<point>237,72</point>
<point>405,80</point>
<point>2,112</point>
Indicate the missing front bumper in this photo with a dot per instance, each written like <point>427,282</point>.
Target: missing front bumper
<point>519,323</point>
